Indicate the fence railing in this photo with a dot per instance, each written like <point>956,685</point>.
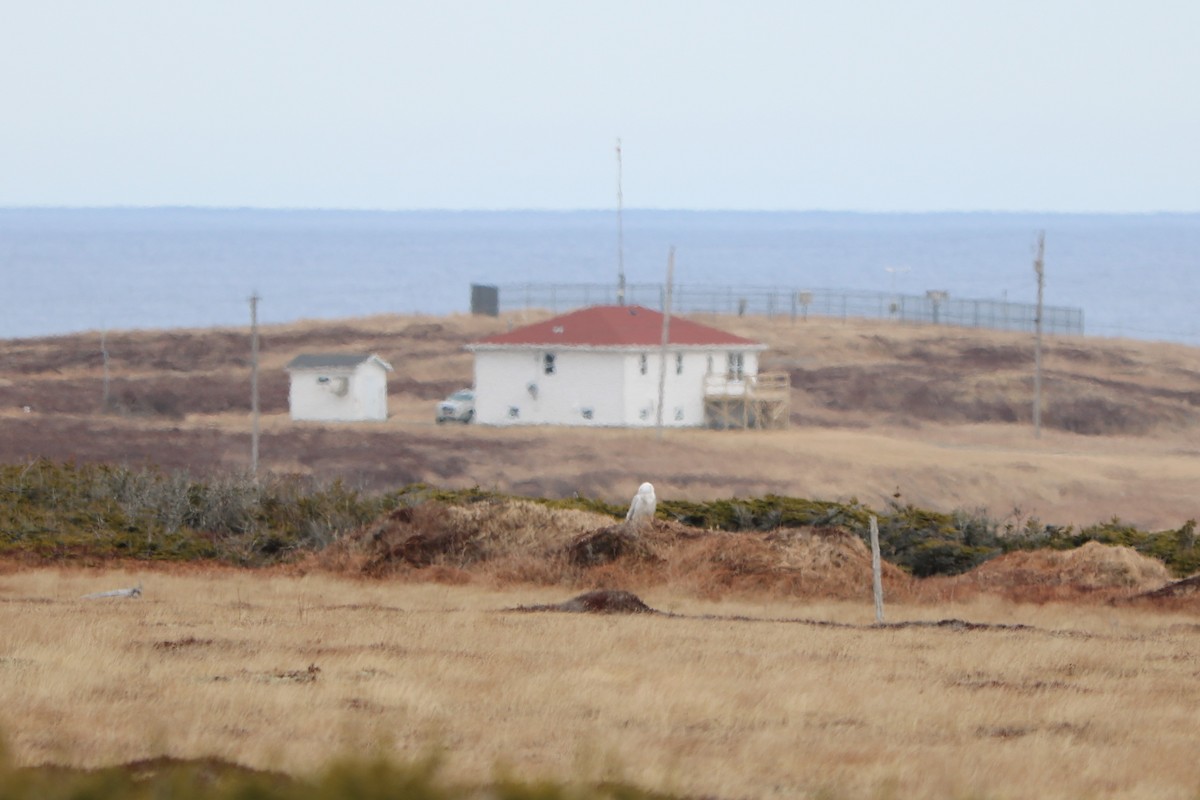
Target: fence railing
<point>764,385</point>
<point>932,308</point>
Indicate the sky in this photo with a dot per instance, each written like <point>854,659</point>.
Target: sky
<point>859,105</point>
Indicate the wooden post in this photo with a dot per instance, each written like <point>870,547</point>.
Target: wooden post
<point>254,298</point>
<point>876,570</point>
<point>666,338</point>
<point>1039,268</point>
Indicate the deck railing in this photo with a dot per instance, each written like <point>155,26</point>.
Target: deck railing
<point>763,386</point>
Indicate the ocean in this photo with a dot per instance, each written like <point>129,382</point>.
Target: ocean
<point>70,270</point>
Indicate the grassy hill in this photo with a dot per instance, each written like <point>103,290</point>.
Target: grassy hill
<point>882,413</point>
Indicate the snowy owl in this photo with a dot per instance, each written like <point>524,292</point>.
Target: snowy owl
<point>641,510</point>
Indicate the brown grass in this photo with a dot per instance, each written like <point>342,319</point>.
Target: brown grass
<point>938,415</point>
<point>500,543</point>
<point>288,672</point>
<point>1094,572</point>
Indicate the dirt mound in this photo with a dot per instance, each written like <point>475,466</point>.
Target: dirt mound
<point>1186,588</point>
<point>511,541</point>
<point>605,545</point>
<point>517,541</point>
<point>489,532</point>
<point>1183,594</point>
<point>797,562</point>
<point>600,601</point>
<point>1042,575</point>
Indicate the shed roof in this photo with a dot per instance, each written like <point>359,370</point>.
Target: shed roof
<point>614,326</point>
<point>334,361</point>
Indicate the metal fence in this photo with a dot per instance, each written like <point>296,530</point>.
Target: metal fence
<point>932,308</point>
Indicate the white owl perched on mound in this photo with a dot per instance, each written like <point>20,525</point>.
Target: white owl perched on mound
<point>641,510</point>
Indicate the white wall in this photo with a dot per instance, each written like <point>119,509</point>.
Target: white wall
<point>683,389</point>
<point>581,380</point>
<point>610,383</point>
<point>314,399</point>
<point>369,389</point>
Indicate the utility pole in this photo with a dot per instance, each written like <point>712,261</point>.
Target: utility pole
<point>1039,268</point>
<point>620,233</point>
<point>254,298</point>
<point>666,338</point>
<point>104,403</point>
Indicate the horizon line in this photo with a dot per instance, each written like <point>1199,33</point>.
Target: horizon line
<point>586,210</point>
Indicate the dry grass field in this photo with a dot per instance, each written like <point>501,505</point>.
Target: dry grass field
<point>763,678</point>
<point>737,699</point>
<point>938,416</point>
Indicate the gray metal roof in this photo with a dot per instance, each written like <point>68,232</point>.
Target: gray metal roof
<point>333,361</point>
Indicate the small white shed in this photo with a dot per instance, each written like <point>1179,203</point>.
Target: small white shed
<point>338,387</point>
<point>600,366</point>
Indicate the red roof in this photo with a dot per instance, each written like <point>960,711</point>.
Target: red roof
<point>615,326</point>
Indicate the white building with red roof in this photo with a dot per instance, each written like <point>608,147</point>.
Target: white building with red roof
<point>600,366</point>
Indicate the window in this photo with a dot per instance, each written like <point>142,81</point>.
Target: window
<point>643,364</point>
<point>678,414</point>
<point>339,386</point>
<point>679,363</point>
<point>513,412</point>
<point>708,367</point>
<point>736,367</point>
<point>548,365</point>
<point>587,413</point>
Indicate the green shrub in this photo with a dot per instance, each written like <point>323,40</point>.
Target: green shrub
<point>63,511</point>
<point>349,779</point>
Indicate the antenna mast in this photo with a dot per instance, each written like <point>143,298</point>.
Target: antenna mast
<point>620,233</point>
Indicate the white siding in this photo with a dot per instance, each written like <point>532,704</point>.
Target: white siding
<point>683,391</point>
<point>517,379</point>
<point>608,382</point>
<point>369,388</point>
<point>338,394</point>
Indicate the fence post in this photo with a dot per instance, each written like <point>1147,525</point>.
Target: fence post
<point>876,571</point>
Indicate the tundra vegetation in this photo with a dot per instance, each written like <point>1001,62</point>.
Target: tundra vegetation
<point>288,628</point>
<point>53,511</point>
<point>232,682</point>
<point>383,611</point>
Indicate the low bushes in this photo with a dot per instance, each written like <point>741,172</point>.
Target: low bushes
<point>345,779</point>
<point>52,511</point>
<point>56,511</point>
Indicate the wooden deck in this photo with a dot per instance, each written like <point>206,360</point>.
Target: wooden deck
<point>758,401</point>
